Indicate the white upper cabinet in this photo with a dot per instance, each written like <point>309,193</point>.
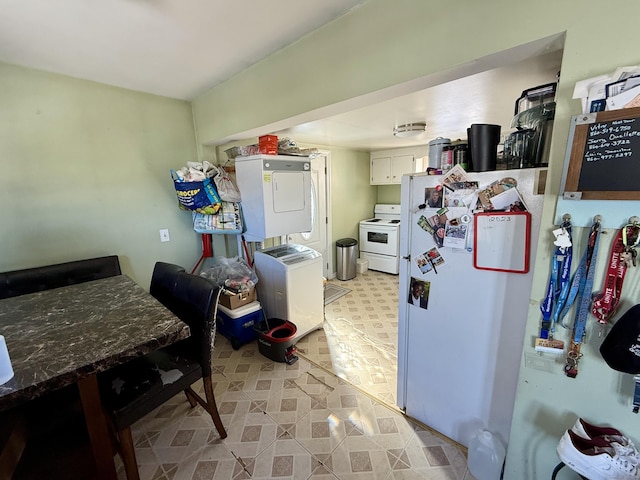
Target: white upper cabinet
<point>388,167</point>
<point>380,170</point>
<point>400,165</point>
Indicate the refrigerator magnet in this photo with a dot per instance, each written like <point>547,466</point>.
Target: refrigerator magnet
<point>455,233</point>
<point>429,261</point>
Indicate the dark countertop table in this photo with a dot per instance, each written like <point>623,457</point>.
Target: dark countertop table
<point>67,335</point>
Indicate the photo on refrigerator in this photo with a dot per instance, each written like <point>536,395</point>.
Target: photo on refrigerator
<point>430,261</point>
<point>419,293</point>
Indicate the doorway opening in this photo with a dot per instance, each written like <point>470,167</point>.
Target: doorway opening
<point>502,66</point>
<point>358,327</point>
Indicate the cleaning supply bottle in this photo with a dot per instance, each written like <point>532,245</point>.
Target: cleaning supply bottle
<point>486,456</point>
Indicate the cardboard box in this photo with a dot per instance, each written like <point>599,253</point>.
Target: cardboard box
<point>268,144</point>
<point>237,300</point>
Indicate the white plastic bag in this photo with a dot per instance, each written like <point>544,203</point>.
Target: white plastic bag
<point>226,187</point>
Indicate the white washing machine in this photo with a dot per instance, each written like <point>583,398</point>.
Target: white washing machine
<point>290,286</point>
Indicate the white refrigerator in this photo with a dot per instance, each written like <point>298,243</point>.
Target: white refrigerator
<point>458,358</point>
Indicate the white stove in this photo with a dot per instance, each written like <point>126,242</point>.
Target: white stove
<point>380,239</point>
<point>380,221</point>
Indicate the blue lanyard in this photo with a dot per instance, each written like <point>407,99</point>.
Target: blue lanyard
<point>579,277</point>
<point>586,284</point>
<point>581,286</point>
<point>564,282</point>
<point>558,288</point>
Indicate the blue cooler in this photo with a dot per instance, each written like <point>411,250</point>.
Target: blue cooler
<point>237,324</point>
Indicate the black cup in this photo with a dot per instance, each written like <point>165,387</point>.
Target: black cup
<point>483,145</point>
<point>469,152</point>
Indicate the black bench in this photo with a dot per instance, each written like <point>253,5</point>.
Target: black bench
<point>37,279</point>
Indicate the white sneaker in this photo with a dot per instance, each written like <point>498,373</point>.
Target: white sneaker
<point>622,444</point>
<point>595,459</point>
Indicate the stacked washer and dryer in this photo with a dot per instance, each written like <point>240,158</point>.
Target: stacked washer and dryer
<point>277,200</point>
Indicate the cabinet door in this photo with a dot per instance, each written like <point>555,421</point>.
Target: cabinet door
<point>380,170</point>
<point>400,165</point>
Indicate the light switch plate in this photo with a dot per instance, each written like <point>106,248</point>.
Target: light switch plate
<point>164,235</point>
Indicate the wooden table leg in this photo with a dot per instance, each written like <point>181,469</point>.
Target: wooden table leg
<point>98,428</point>
<point>13,440</point>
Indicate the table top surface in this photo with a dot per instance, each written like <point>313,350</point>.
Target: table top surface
<point>56,337</point>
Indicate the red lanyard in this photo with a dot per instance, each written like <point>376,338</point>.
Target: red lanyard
<point>622,253</point>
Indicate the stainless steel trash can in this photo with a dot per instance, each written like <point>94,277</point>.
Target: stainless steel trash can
<point>346,258</point>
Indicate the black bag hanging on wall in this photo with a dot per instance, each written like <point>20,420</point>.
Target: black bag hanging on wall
<point>621,347</point>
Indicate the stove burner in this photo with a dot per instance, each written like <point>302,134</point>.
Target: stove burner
<point>382,221</point>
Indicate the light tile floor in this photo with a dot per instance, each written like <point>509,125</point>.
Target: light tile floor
<point>315,419</point>
<point>359,341</point>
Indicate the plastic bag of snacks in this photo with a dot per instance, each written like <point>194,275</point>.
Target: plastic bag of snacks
<point>225,271</point>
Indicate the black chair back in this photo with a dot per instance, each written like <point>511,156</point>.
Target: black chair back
<point>163,283</point>
<point>196,303</point>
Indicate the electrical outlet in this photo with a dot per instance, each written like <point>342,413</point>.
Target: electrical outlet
<point>164,235</point>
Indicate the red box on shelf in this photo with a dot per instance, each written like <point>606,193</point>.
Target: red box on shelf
<point>268,144</point>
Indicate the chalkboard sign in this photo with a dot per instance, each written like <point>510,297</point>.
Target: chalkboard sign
<point>604,163</point>
<point>502,241</point>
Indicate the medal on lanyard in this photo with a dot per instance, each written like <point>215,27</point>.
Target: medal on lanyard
<point>630,239</point>
<point>557,290</point>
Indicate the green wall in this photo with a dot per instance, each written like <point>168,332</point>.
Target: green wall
<point>388,194</point>
<point>85,172</point>
<point>352,198</point>
<point>388,42</point>
<point>85,166</point>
